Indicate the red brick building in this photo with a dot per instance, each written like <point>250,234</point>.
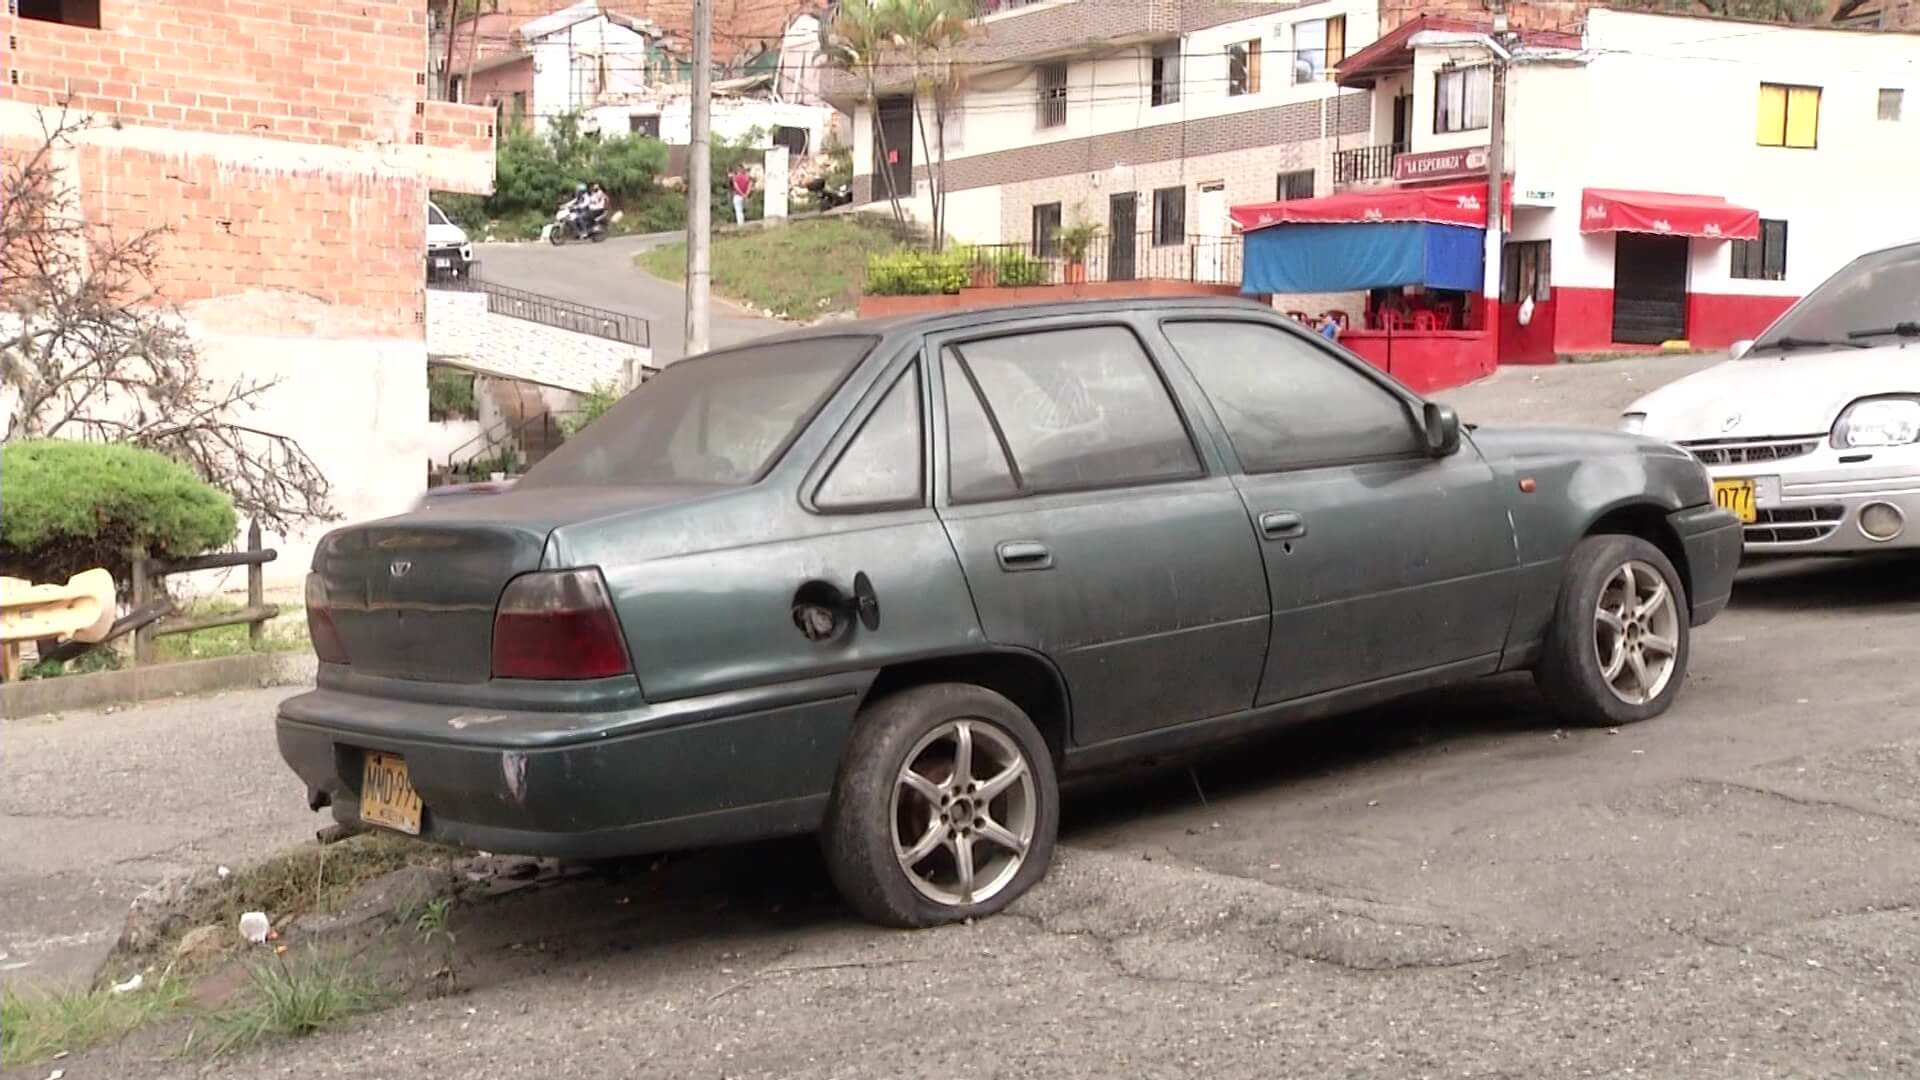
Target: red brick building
<point>289,150</point>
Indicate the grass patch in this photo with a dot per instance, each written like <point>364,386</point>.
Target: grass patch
<point>283,999</point>
<point>282,634</point>
<point>35,1026</point>
<point>800,270</point>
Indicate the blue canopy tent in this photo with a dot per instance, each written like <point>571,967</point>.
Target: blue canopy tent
<point>1343,257</point>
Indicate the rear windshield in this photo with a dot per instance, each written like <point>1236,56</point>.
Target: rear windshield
<point>722,418</point>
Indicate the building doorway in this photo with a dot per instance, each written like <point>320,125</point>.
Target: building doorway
<point>893,147</point>
<point>1122,234</point>
<point>1649,288</point>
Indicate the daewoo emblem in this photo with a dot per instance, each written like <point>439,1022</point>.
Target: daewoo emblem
<point>399,568</point>
<point>1731,422</point>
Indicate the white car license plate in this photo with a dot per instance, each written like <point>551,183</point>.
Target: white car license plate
<point>442,264</point>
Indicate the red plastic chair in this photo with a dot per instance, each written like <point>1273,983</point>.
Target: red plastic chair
<point>1297,316</point>
<point>1397,320</point>
<point>1335,313</point>
<point>1426,320</point>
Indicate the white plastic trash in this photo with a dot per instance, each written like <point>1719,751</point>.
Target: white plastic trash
<point>255,927</point>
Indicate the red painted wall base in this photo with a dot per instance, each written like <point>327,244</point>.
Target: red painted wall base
<point>1583,319</point>
<point>1426,361</point>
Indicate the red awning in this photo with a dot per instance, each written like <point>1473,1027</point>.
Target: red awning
<point>1447,204</point>
<point>1707,216</point>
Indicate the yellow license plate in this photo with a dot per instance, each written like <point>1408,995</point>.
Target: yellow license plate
<point>1736,496</point>
<point>387,796</point>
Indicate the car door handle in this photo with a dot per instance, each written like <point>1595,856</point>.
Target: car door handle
<point>1282,525</point>
<point>1016,555</point>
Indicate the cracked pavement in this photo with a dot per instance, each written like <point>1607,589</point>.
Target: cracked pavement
<point>1445,886</point>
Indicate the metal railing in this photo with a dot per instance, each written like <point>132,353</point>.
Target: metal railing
<point>508,437</point>
<point>1366,163</point>
<point>557,313</point>
<point>1210,260</point>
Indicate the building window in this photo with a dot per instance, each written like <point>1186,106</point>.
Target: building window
<point>1789,116</point>
<point>1462,99</point>
<point>1764,259</point>
<point>1891,102</point>
<point>72,12</point>
<point>1169,216</point>
<point>1046,229</point>
<point>520,110</point>
<point>1526,270</point>
<point>1166,73</point>
<point>1243,68</point>
<point>1294,185</point>
<point>1053,94</point>
<point>793,138</point>
<point>1318,47</point>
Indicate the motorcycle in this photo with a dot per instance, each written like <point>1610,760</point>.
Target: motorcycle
<point>830,197</point>
<point>564,228</point>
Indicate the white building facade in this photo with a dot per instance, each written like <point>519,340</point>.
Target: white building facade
<point>1815,131</point>
<point>1145,120</point>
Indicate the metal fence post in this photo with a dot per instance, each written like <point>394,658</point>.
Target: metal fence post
<point>256,586</point>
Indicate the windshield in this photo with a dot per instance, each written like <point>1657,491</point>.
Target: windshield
<point>723,418</point>
<point>434,216</point>
<point>1873,292</point>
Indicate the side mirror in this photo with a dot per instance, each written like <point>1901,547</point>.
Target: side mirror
<point>1442,426</point>
<point>1739,349</point>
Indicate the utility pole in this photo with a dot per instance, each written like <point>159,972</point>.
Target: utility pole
<point>1496,167</point>
<point>700,181</point>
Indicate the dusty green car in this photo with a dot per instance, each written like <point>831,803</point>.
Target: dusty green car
<point>889,581</point>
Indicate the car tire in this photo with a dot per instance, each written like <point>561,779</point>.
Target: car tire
<point>1609,662</point>
<point>878,816</point>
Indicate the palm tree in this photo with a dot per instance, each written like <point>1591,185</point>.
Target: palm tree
<point>868,36</point>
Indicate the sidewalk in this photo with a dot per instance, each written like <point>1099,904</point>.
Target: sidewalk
<point>98,806</point>
<point>1581,395</point>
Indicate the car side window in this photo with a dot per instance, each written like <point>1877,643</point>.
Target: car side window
<point>977,466</point>
<point>1288,405</point>
<point>1079,408</point>
<point>881,466</point>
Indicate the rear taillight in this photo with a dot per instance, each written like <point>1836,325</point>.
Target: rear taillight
<point>558,624</point>
<point>320,628</point>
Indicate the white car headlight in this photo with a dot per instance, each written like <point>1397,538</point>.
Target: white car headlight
<point>1889,421</point>
<point>1633,423</point>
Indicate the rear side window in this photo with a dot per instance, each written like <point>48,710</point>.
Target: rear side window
<point>719,419</point>
<point>1288,405</point>
<point>1078,408</point>
<point>881,467</point>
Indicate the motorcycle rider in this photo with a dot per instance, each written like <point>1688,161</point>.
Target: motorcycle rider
<point>578,214</point>
<point>596,206</point>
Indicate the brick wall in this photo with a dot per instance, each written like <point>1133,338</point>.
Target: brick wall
<point>283,146</point>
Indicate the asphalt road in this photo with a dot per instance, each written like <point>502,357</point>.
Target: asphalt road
<point>603,275</point>
<point>1447,886</point>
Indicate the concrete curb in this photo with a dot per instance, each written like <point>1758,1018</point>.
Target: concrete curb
<point>74,693</point>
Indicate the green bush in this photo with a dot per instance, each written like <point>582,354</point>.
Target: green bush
<point>467,211</point>
<point>449,394</point>
<point>533,173</point>
<point>593,405</point>
<point>71,506</point>
<point>1012,269</point>
<point>917,273</point>
<point>628,166</point>
<point>657,211</point>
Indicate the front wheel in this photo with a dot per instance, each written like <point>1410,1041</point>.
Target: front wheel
<point>1618,647</point>
<point>946,807</point>
<point>557,235</point>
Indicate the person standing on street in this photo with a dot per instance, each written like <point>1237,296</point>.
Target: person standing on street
<point>742,187</point>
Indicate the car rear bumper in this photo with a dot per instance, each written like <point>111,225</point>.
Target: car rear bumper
<point>1711,538</point>
<point>734,766</point>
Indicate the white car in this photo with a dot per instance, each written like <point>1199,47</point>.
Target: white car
<point>1812,432</point>
<point>449,253</point>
